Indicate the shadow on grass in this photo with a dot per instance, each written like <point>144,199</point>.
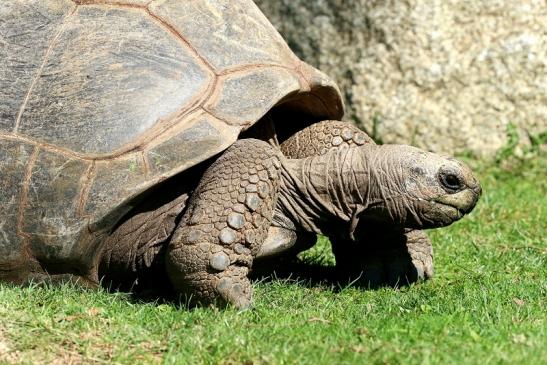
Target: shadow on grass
<point>313,274</point>
<point>157,289</point>
<point>153,285</point>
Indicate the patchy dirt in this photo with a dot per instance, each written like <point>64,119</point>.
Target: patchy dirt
<point>7,353</point>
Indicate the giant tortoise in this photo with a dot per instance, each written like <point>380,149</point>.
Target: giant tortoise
<point>183,140</point>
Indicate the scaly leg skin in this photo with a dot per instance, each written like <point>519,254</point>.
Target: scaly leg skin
<point>226,222</point>
<point>408,257</point>
<point>133,255</point>
<point>420,249</point>
<point>319,138</point>
<point>280,248</point>
<point>392,259</point>
<point>285,242</point>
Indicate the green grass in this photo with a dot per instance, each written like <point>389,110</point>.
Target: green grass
<point>486,305</point>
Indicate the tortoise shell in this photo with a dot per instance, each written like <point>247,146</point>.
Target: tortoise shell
<point>102,100</point>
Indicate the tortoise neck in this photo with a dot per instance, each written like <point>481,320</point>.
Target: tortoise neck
<point>322,194</point>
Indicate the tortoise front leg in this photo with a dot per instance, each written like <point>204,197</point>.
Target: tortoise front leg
<point>227,220</point>
<point>387,258</point>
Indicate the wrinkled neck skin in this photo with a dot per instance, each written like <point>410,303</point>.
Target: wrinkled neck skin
<point>329,194</point>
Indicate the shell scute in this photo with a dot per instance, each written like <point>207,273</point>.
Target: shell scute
<point>27,29</point>
<point>109,77</point>
<point>226,33</point>
<point>14,158</point>
<point>51,212</point>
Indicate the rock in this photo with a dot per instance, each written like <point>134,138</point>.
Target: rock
<point>444,75</point>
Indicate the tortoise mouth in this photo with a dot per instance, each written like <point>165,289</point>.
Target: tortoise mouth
<point>436,213</point>
<point>463,202</point>
<point>448,208</point>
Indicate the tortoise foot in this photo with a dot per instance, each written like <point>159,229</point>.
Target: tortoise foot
<point>227,220</point>
<point>211,274</point>
<point>397,265</point>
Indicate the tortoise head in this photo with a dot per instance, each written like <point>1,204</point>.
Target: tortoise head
<point>418,189</point>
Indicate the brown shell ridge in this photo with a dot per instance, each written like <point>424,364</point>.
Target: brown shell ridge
<point>24,197</point>
<point>212,115</point>
<point>303,79</point>
<point>171,122</point>
<point>179,36</point>
<point>164,24</point>
<point>189,117</point>
<point>40,69</point>
<point>84,191</point>
<point>62,151</point>
<point>139,145</point>
<point>312,91</point>
<point>111,2</point>
<point>161,127</point>
<point>249,68</point>
<point>239,68</point>
<point>208,112</point>
<point>145,163</point>
<point>255,66</point>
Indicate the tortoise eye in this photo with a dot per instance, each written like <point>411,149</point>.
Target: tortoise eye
<point>450,181</point>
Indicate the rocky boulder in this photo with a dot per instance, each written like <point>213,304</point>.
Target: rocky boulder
<point>445,75</point>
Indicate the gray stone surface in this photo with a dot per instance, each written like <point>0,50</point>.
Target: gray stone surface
<point>445,75</point>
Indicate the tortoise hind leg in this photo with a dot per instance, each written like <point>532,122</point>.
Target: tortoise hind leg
<point>133,254</point>
<point>228,216</point>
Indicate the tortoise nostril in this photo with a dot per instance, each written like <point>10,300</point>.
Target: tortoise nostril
<point>450,181</point>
